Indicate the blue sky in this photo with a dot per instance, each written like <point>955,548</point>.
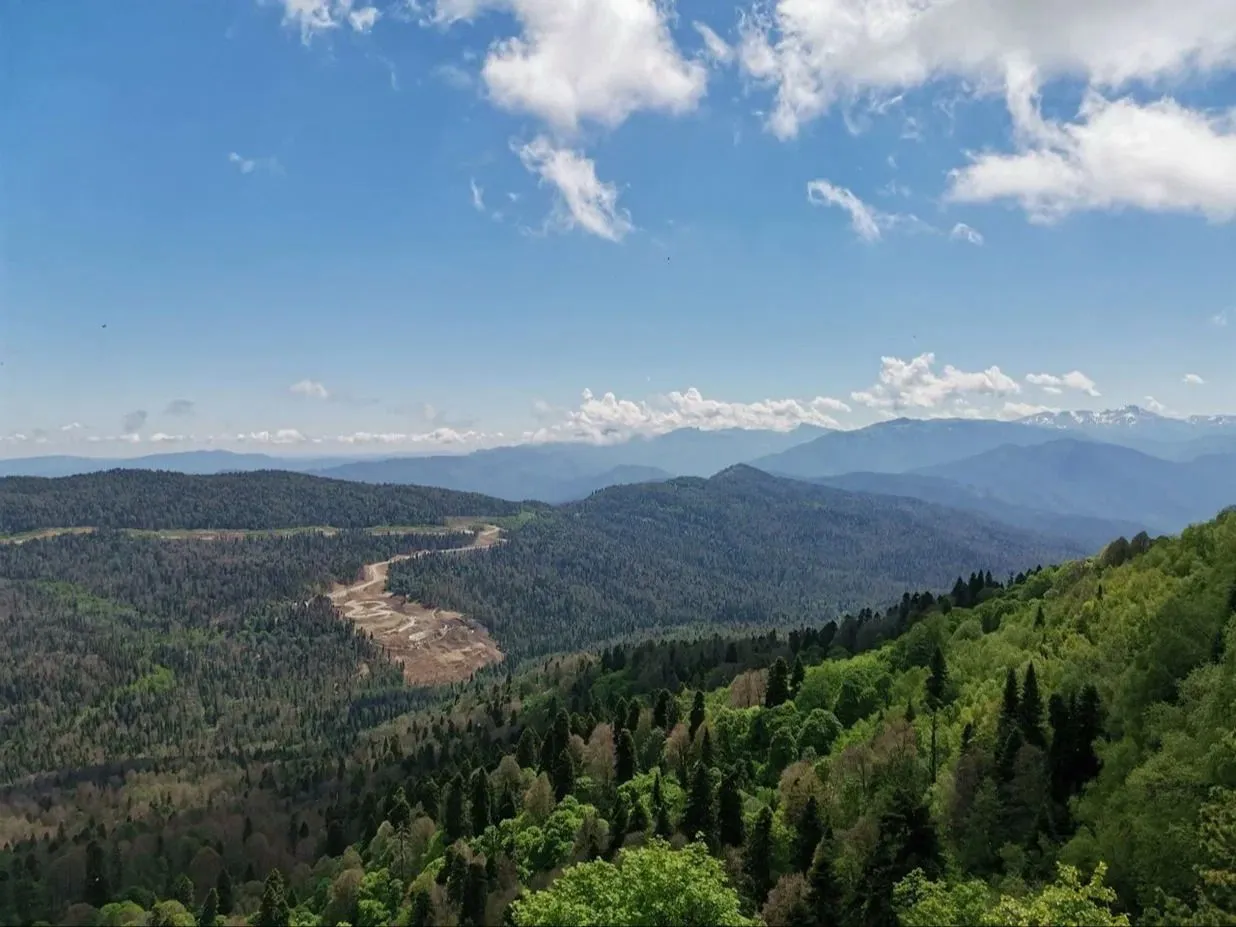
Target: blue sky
<point>309,225</point>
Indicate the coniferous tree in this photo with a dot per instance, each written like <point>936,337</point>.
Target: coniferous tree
<point>778,690</point>
<point>183,891</point>
<point>706,748</point>
<point>810,833</point>
<point>937,694</point>
<point>661,822</point>
<point>224,887</point>
<point>210,909</point>
<point>618,825</point>
<point>98,892</point>
<point>823,890</point>
<point>757,859</point>
<point>797,675</point>
<point>729,812</point>
<point>453,810</point>
<point>1030,710</point>
<point>421,909</point>
<point>528,749</point>
<point>697,712</point>
<point>273,911</point>
<point>562,774</point>
<point>624,758</point>
<point>699,819</point>
<point>479,804</point>
<point>475,894</point>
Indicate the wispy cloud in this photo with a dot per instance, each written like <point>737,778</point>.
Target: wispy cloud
<point>250,165</point>
<point>1192,379</point>
<point>310,389</point>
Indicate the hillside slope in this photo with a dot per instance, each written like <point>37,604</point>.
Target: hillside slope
<point>1090,531</point>
<point>1081,477</point>
<point>263,499</point>
<point>741,547</point>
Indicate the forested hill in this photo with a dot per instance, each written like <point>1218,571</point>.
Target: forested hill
<point>1057,751</point>
<point>262,499</point>
<point>740,548</point>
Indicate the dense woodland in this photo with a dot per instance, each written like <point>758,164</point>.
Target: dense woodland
<point>1054,750</point>
<point>155,499</point>
<point>122,648</point>
<point>740,549</point>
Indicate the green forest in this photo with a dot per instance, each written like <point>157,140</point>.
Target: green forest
<point>740,549</point>
<point>1051,747</point>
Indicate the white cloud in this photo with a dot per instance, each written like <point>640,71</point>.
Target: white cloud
<point>160,437</point>
<point>1158,157</point>
<point>1075,380</point>
<point>868,222</point>
<point>914,384</point>
<point>584,201</point>
<point>963,232</point>
<point>310,389</point>
<point>478,196</point>
<point>596,60</point>
<point>279,436</point>
<point>1156,407</point>
<point>1219,319</point>
<point>313,17</point>
<point>1015,410</point>
<point>1193,379</point>
<point>249,165</point>
<point>606,418</point>
<point>818,52</point>
<point>715,47</point>
<point>72,426</point>
<point>439,436</point>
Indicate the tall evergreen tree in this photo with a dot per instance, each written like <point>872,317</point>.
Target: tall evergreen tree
<point>562,774</point>
<point>778,689</point>
<point>183,891</point>
<point>1030,710</point>
<point>823,889</point>
<point>624,758</point>
<point>224,887</point>
<point>729,812</point>
<point>479,802</point>
<point>937,694</point>
<point>527,750</point>
<point>797,675</point>
<point>210,909</point>
<point>697,712</point>
<point>98,892</point>
<point>475,894</point>
<point>757,859</point>
<point>453,824</point>
<point>661,823</point>
<point>699,819</point>
<point>810,833</point>
<point>273,911</point>
<point>421,909</point>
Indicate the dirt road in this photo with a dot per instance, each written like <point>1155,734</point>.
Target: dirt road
<point>435,646</point>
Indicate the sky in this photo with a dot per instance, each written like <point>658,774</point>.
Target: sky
<point>309,226</point>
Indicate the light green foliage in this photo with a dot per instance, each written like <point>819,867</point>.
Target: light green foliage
<point>646,886</point>
<point>1067,902</point>
<point>541,847</point>
<point>122,914</point>
<point>171,914</point>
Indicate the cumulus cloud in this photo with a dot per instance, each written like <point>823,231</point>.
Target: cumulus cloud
<point>1156,407</point>
<point>1219,319</point>
<point>915,384</point>
<point>134,422</point>
<point>311,389</point>
<point>314,17</point>
<point>606,418</point>
<point>1193,379</point>
<point>180,407</point>
<point>1075,380</point>
<point>963,232</point>
<point>595,60</point>
<point>868,222</point>
<point>584,201</point>
<point>1157,157</point>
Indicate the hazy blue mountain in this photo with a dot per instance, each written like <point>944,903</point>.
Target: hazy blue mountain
<point>898,446</point>
<point>1133,424</point>
<point>192,462</point>
<point>1089,531</point>
<point>561,472</point>
<point>1092,478</point>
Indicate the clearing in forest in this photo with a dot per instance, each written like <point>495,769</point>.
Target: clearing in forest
<point>435,646</point>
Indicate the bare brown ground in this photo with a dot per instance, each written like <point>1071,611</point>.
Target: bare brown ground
<point>435,646</point>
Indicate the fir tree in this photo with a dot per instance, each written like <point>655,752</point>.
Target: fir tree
<point>273,911</point>
<point>823,891</point>
<point>1030,710</point>
<point>778,690</point>
<point>528,748</point>
<point>421,909</point>
<point>210,909</point>
<point>699,820</point>
<point>183,891</point>
<point>697,712</point>
<point>453,810</point>
<point>475,894</point>
<point>224,887</point>
<point>810,833</point>
<point>757,860</point>
<point>98,892</point>
<point>562,774</point>
<point>479,806</point>
<point>729,812</point>
<point>797,675</point>
<point>624,761</point>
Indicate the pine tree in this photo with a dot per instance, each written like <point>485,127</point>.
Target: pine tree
<point>453,810</point>
<point>697,712</point>
<point>699,819</point>
<point>823,891</point>
<point>1010,710</point>
<point>706,748</point>
<point>475,894</point>
<point>183,891</point>
<point>479,806</point>
<point>729,812</point>
<point>273,911</point>
<point>757,858</point>
<point>98,892</point>
<point>1030,710</point>
<point>797,675</point>
<point>661,824</point>
<point>810,833</point>
<point>937,694</point>
<point>398,811</point>
<point>778,690</point>
<point>562,774</point>
<point>210,909</point>
<point>624,761</point>
<point>619,823</point>
<point>224,888</point>
<point>528,748</point>
<point>1039,619</point>
<point>421,909</point>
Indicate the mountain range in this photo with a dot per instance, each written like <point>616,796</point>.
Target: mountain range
<point>1087,476</point>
